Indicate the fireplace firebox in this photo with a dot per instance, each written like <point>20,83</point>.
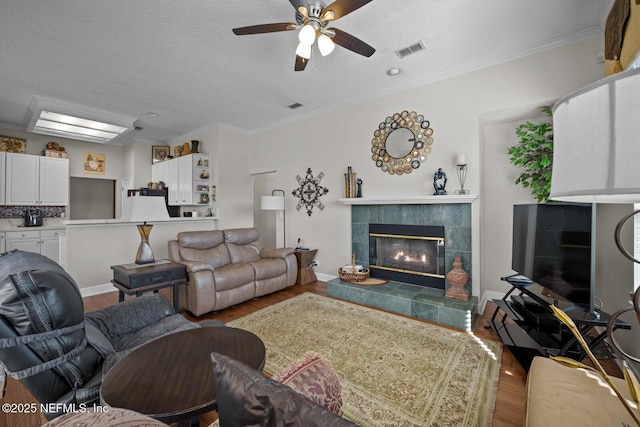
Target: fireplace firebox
<point>408,253</point>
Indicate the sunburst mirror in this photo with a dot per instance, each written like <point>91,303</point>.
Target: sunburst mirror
<point>401,143</point>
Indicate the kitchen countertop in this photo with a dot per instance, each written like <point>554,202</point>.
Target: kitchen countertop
<point>17,224</point>
<point>90,222</point>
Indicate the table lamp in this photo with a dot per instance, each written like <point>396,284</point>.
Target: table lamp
<point>596,153</point>
<point>275,203</point>
<point>144,209</point>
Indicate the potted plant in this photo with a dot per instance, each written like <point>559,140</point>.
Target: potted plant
<point>534,153</point>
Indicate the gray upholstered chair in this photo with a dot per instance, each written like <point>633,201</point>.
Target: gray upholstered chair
<point>48,344</point>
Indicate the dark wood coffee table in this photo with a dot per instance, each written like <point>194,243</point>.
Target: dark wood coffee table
<point>171,378</point>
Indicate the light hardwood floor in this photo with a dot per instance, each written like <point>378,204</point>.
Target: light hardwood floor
<point>509,408</point>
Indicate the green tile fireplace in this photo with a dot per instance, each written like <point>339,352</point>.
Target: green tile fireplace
<point>454,213</point>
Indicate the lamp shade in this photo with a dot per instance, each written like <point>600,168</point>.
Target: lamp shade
<point>307,35</point>
<point>325,45</point>
<point>272,203</point>
<point>303,50</point>
<point>144,209</point>
<point>596,147</point>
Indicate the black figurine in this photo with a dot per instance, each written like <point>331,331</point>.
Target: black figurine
<point>359,184</point>
<point>439,182</point>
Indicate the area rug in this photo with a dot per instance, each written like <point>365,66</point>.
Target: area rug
<point>394,371</point>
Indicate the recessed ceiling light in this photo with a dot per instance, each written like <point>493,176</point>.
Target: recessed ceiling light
<point>393,71</point>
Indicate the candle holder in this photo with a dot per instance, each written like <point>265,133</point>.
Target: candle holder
<point>462,177</point>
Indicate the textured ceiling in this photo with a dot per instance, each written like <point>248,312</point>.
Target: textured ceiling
<point>180,59</point>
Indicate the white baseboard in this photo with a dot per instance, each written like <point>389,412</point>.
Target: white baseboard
<point>486,297</point>
<point>97,290</point>
<point>325,277</point>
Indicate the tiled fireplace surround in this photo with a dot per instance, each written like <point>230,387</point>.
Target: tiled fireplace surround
<point>454,213</point>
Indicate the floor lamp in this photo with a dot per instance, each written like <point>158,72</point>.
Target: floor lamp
<point>596,151</point>
<point>144,209</point>
<point>276,203</point>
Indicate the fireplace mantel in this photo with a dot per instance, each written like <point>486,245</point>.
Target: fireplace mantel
<point>410,200</point>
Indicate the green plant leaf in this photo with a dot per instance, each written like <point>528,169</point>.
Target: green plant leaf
<point>534,154</point>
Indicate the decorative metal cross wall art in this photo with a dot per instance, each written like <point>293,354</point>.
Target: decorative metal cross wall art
<point>310,191</point>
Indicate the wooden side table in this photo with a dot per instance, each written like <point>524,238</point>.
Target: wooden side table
<point>171,378</point>
<point>134,279</point>
<point>306,274</point>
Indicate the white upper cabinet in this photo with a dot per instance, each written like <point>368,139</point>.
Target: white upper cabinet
<point>36,180</point>
<point>2,175</point>
<point>187,178</point>
<point>54,181</point>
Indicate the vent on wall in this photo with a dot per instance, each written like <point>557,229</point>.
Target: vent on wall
<point>294,105</point>
<point>409,50</point>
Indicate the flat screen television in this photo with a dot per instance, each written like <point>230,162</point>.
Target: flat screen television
<point>554,246</point>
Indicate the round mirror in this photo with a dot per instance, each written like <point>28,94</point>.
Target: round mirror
<point>401,143</point>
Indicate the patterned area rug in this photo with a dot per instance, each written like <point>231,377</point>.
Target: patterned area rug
<point>394,371</point>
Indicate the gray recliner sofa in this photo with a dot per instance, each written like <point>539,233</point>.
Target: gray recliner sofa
<point>227,267</point>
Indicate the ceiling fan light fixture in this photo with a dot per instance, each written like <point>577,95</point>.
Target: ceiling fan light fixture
<point>325,45</point>
<point>303,50</point>
<point>307,35</point>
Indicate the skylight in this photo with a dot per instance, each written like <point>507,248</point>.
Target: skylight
<point>58,118</point>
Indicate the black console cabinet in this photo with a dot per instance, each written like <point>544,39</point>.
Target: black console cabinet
<point>525,323</point>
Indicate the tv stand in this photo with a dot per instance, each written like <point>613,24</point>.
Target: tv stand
<point>525,323</point>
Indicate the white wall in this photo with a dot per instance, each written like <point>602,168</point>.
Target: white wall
<point>229,153</point>
<point>333,140</point>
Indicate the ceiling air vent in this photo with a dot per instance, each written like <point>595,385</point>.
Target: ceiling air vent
<point>409,50</point>
<point>294,105</point>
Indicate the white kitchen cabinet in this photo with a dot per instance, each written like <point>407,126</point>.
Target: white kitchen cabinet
<point>45,242</point>
<point>28,241</point>
<point>188,179</point>
<point>50,243</point>
<point>54,181</point>
<point>2,176</point>
<point>185,172</point>
<point>36,180</point>
<point>160,171</point>
<point>173,181</point>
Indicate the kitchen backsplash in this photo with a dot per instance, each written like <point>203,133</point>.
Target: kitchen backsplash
<point>18,211</point>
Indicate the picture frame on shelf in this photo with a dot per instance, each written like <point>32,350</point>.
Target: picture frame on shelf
<point>159,153</point>
<point>204,199</point>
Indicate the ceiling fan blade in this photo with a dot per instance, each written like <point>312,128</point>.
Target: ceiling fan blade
<point>352,43</point>
<point>264,28</point>
<point>301,63</point>
<point>341,8</point>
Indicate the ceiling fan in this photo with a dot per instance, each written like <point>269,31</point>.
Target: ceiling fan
<point>312,19</point>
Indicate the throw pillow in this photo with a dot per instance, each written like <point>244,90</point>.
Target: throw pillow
<point>248,398</point>
<point>314,377</point>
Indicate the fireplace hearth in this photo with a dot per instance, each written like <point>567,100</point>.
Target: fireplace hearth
<point>408,253</point>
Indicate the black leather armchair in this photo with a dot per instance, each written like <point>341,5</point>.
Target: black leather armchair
<point>48,344</point>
